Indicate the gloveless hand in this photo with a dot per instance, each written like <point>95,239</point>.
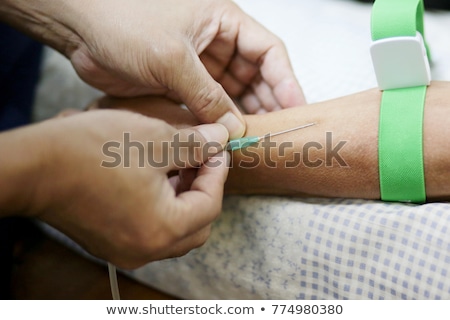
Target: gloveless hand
<point>202,52</point>
<point>113,194</point>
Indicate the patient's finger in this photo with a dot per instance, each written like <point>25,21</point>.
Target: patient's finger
<point>232,86</point>
<point>265,94</point>
<point>250,102</point>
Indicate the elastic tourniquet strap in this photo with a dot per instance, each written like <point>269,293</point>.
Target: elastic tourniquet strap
<point>398,18</point>
<point>400,143</point>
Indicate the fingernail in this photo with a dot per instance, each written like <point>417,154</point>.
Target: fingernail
<point>214,133</point>
<point>234,126</point>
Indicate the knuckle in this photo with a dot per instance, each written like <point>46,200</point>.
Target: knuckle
<point>196,241</point>
<point>207,101</point>
<point>202,237</point>
<point>193,143</point>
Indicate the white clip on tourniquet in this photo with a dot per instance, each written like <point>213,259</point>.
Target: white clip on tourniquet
<point>400,62</point>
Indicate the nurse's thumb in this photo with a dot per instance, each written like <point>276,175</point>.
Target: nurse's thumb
<point>207,99</point>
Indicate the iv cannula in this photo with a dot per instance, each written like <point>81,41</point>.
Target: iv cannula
<point>247,141</point>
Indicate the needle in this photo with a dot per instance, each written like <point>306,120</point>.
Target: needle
<point>240,143</point>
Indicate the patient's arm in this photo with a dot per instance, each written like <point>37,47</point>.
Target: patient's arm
<point>337,157</point>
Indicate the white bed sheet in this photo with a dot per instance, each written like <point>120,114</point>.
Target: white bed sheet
<point>289,248</point>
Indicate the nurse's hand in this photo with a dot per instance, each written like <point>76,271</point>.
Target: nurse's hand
<point>109,180</point>
<point>203,53</point>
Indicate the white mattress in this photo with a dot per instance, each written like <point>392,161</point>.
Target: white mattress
<point>289,248</point>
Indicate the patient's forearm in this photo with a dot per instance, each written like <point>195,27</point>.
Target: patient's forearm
<point>338,157</point>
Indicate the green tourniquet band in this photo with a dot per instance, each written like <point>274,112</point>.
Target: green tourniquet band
<point>400,141</point>
<point>397,18</point>
<point>400,145</point>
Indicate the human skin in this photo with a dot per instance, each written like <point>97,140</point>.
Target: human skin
<point>352,124</point>
<point>201,52</point>
<point>128,215</point>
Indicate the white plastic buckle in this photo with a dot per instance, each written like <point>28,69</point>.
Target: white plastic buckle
<point>400,62</point>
